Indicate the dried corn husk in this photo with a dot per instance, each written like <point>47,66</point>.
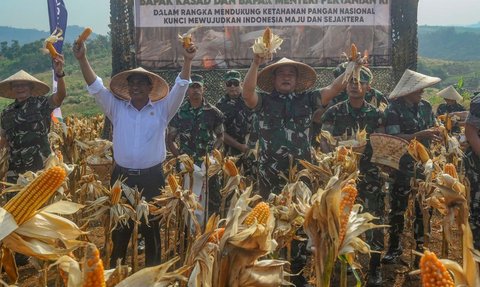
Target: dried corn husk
<point>267,45</point>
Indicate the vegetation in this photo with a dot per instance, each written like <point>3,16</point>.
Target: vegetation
<point>445,52</point>
<point>31,58</point>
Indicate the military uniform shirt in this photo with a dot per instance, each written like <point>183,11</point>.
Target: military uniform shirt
<point>27,125</point>
<point>404,118</point>
<point>444,108</point>
<point>343,118</point>
<point>197,129</point>
<point>373,97</point>
<point>238,119</point>
<point>473,117</point>
<point>284,124</point>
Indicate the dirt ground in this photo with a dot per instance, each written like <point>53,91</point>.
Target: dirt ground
<point>393,275</point>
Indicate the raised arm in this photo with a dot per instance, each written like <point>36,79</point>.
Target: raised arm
<point>80,52</point>
<point>57,98</point>
<point>250,83</point>
<point>331,91</point>
<point>188,55</point>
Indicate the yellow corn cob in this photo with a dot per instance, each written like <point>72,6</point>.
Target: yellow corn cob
<point>341,153</point>
<point>260,212</point>
<point>448,124</point>
<point>349,195</point>
<point>434,272</point>
<point>418,151</point>
<point>442,117</point>
<point>451,170</point>
<point>116,192</point>
<point>93,269</point>
<point>217,155</point>
<point>172,182</point>
<point>24,205</point>
<point>216,235</point>
<point>230,168</point>
<point>354,52</point>
<point>267,37</point>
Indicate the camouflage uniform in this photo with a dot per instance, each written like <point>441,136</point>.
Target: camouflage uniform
<point>27,125</point>
<point>373,97</point>
<point>238,124</point>
<point>343,118</point>
<point>197,130</point>
<point>444,109</point>
<point>472,168</point>
<point>284,130</point>
<point>403,118</point>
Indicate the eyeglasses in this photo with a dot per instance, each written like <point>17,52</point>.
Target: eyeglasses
<point>232,83</point>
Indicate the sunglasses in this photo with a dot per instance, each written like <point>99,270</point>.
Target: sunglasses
<point>232,83</point>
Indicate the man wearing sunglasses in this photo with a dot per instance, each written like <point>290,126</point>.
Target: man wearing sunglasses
<point>239,137</point>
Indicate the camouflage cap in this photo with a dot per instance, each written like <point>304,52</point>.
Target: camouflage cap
<point>197,79</point>
<point>366,75</point>
<point>232,75</point>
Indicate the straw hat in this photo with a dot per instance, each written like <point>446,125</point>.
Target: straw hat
<point>119,84</point>
<point>450,93</point>
<point>306,77</point>
<point>411,82</point>
<point>39,87</point>
<point>387,149</point>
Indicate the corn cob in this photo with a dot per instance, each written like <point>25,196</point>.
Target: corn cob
<point>217,155</point>
<point>448,124</point>
<point>230,168</point>
<point>434,272</point>
<point>93,270</point>
<point>267,37</point>
<point>24,205</point>
<point>260,212</point>
<point>216,235</point>
<point>172,182</point>
<point>349,194</point>
<point>418,151</point>
<point>342,152</point>
<point>51,49</point>
<point>354,52</point>
<point>116,192</point>
<point>85,34</point>
<point>451,170</point>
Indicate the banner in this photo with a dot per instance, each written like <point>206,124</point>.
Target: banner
<point>315,32</point>
<point>57,14</point>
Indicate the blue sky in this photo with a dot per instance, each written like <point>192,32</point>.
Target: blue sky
<point>96,13</point>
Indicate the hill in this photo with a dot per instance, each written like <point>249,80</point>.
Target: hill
<point>25,36</point>
<point>449,43</point>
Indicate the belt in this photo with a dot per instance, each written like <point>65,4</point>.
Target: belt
<point>138,171</point>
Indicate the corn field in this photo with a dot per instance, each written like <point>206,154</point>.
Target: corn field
<point>62,217</point>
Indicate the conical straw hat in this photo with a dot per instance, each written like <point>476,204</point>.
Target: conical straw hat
<point>306,77</point>
<point>387,149</point>
<point>119,84</point>
<point>411,82</point>
<point>450,93</point>
<point>39,87</point>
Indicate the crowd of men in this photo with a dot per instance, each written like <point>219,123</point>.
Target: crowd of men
<point>275,110</point>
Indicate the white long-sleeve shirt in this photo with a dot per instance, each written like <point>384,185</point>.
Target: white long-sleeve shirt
<point>139,136</point>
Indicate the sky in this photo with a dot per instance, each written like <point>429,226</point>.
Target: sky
<point>96,13</point>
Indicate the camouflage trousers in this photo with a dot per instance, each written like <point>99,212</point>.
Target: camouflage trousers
<point>399,196</point>
<point>472,169</point>
<point>372,198</point>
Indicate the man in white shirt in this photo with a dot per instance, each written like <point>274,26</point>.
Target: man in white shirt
<point>139,108</point>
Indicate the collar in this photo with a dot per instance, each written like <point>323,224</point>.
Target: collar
<point>291,95</point>
<point>187,106</point>
<point>366,107</point>
<point>149,103</point>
